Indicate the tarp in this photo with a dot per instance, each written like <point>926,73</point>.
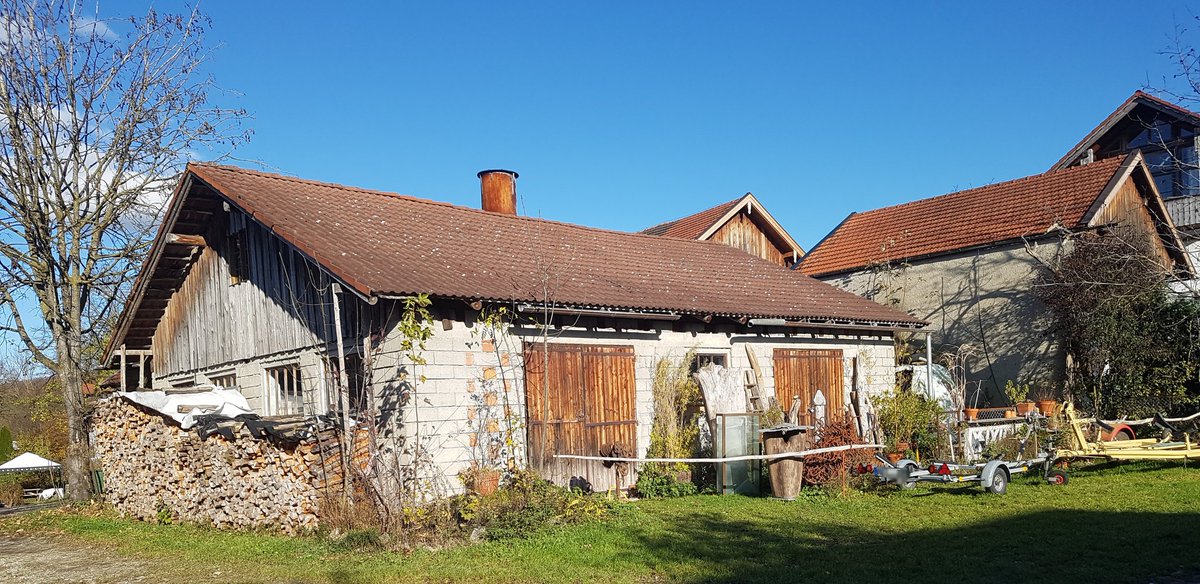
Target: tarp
<point>29,462</point>
<point>184,407</point>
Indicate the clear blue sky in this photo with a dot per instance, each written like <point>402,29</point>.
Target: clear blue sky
<point>625,114</point>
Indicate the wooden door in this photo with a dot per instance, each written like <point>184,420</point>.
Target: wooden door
<point>580,400</point>
<point>804,371</point>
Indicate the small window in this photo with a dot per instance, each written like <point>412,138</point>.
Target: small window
<point>227,381</point>
<point>703,359</point>
<point>284,381</point>
<point>237,257</point>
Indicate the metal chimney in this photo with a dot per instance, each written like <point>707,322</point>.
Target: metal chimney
<point>498,189</point>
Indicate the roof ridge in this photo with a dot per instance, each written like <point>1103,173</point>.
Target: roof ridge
<point>276,176</point>
<point>1110,160</point>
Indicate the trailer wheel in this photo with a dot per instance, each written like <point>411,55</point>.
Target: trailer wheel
<point>999,484</point>
<point>1056,477</point>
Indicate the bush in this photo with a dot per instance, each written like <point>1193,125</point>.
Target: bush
<point>905,416</point>
<point>659,481</point>
<point>526,504</point>
<point>833,468</point>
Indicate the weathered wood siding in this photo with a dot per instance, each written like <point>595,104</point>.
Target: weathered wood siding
<point>1128,208</point>
<point>588,404</point>
<point>280,304</point>
<point>742,232</point>
<point>802,372</point>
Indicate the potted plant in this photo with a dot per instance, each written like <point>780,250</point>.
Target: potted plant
<point>901,415</point>
<point>1016,393</point>
<point>1046,404</point>
<point>481,481</point>
<point>971,413</point>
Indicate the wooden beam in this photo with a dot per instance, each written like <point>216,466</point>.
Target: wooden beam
<point>123,387</point>
<point>184,239</point>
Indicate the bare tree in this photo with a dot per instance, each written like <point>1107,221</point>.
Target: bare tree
<point>96,126</point>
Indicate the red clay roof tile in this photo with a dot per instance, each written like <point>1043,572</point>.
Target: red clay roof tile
<point>693,226</point>
<point>999,212</point>
<point>384,243</point>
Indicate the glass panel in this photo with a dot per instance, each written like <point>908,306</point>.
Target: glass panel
<point>285,381</point>
<point>1166,184</point>
<point>737,435</point>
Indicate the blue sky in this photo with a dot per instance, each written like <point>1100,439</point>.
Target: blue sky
<point>625,114</point>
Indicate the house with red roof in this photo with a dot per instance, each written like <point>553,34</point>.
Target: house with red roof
<point>543,337</point>
<point>742,223</point>
<point>1168,136</point>
<point>967,261</point>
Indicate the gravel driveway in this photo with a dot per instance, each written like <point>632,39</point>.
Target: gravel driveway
<point>58,560</point>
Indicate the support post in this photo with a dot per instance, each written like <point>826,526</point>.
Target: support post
<point>124,387</point>
<point>929,364</point>
<point>141,371</point>
<point>343,394</point>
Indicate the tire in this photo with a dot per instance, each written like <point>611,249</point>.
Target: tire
<point>1056,477</point>
<point>1123,435</point>
<point>999,484</point>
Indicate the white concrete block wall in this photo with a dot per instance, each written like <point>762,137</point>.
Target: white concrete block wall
<point>451,401</point>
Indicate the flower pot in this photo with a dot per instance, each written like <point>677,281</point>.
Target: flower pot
<point>1010,413</point>
<point>894,457</point>
<point>485,482</point>
<point>1047,406</point>
<point>1025,408</point>
<point>972,413</point>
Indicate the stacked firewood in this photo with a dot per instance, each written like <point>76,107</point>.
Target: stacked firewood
<point>155,470</point>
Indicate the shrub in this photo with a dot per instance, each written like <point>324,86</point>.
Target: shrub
<point>526,504</point>
<point>832,468</point>
<point>1130,340</point>
<point>905,416</point>
<point>659,481</point>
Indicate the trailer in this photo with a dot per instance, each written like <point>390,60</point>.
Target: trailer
<point>1175,444</point>
<point>993,475</point>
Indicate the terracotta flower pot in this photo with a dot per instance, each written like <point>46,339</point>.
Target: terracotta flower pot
<point>894,457</point>
<point>1010,413</point>
<point>1025,408</point>
<point>1047,406</point>
<point>972,413</point>
<point>486,482</point>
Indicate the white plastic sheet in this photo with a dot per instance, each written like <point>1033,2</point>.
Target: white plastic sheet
<point>185,407</point>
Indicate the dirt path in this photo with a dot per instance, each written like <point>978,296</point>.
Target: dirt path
<point>59,560</point>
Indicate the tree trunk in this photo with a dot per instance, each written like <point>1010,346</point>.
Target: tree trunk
<point>78,463</point>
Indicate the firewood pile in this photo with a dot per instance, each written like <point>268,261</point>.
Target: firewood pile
<point>153,469</point>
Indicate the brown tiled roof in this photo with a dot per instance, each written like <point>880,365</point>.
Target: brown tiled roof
<point>693,226</point>
<point>383,244</point>
<point>1138,97</point>
<point>999,212</point>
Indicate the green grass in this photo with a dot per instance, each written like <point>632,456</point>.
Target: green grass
<point>1125,523</point>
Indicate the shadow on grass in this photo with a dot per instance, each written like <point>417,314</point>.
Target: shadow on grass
<point>1042,546</point>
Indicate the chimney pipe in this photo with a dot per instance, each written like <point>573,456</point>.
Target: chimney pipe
<point>498,189</point>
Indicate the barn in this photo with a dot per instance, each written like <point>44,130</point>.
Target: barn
<point>468,338</point>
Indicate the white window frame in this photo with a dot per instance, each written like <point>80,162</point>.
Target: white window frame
<point>274,392</point>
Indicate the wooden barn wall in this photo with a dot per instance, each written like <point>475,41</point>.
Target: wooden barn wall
<point>281,304</point>
<point>741,232</point>
<point>1128,207</point>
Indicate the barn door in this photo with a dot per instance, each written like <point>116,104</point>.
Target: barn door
<point>579,401</point>
<point>804,371</point>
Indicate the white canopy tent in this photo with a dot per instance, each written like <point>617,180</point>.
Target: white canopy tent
<point>29,462</point>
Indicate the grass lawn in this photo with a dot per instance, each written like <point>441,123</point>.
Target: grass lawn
<point>1124,523</point>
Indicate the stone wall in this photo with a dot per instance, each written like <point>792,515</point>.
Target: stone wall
<point>150,465</point>
<point>982,299</point>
